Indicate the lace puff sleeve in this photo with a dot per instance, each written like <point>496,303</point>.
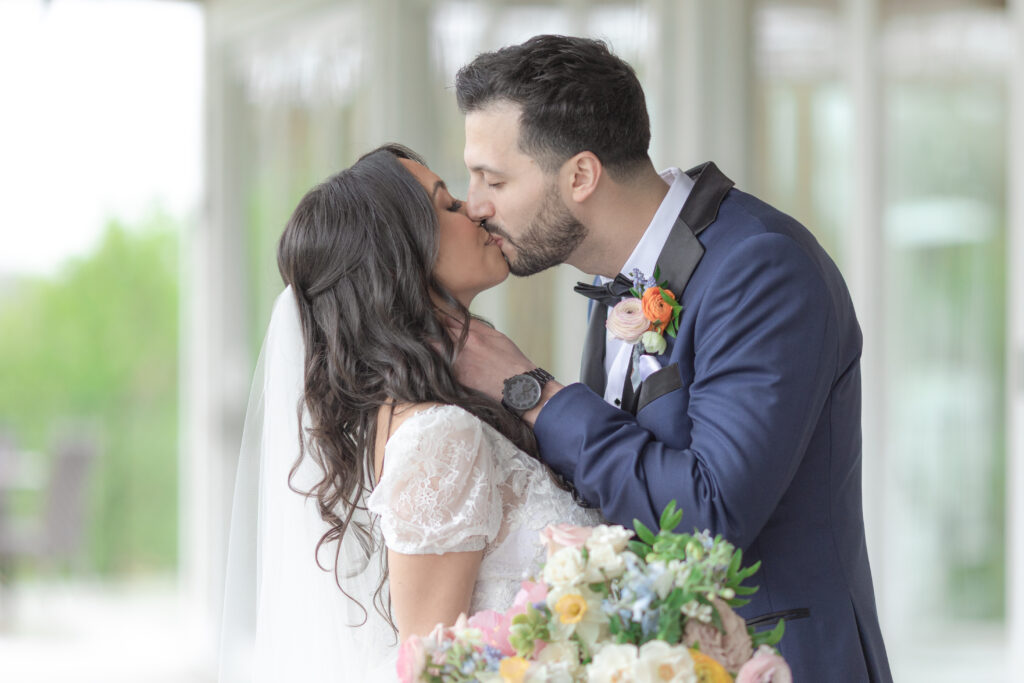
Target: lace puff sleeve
<point>438,491</point>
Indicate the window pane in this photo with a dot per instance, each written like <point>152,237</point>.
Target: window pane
<point>945,284</point>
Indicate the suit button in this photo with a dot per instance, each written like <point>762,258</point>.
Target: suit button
<point>618,402</point>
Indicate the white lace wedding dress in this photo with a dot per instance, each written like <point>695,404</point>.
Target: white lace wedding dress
<point>451,483</point>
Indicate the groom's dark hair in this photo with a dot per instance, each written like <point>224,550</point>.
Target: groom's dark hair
<point>575,96</point>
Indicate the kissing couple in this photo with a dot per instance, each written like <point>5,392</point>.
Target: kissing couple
<point>401,456</point>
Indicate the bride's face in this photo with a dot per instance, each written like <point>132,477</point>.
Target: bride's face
<point>468,260</point>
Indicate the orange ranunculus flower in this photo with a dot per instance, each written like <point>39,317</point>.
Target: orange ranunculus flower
<point>656,309</point>
<point>708,670</point>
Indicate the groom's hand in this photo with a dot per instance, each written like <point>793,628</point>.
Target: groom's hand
<point>489,358</point>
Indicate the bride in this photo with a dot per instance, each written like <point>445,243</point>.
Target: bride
<point>406,498</point>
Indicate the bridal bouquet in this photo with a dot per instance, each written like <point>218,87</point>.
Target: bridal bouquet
<point>612,608</point>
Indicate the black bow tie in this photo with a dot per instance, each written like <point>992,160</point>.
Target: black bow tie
<point>609,293</point>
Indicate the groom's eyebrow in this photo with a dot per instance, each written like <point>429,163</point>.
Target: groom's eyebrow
<point>484,168</point>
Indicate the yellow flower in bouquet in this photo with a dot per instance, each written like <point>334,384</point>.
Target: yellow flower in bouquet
<point>513,669</point>
<point>708,670</point>
<point>571,608</point>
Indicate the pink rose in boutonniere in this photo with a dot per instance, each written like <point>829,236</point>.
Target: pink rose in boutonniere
<point>627,321</point>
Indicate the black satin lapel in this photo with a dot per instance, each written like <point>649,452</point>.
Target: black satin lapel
<point>592,365</point>
<point>679,258</point>
<point>683,251</point>
<point>710,186</point>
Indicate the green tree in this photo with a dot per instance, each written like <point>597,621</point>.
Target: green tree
<point>99,342</point>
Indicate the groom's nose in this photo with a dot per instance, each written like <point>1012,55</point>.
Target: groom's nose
<point>480,208</point>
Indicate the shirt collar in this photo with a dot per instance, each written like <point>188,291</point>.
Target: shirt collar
<point>645,254</point>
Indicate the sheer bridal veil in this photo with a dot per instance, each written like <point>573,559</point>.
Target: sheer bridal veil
<point>286,618</point>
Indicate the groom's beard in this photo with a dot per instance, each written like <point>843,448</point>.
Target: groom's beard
<point>552,236</point>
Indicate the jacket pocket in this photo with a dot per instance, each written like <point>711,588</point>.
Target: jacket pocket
<point>658,384</point>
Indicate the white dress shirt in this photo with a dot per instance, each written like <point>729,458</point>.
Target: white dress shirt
<point>645,257</point>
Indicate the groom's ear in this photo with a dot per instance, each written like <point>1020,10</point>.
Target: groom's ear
<point>583,172</point>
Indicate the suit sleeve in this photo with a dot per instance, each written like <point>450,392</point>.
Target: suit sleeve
<point>765,351</point>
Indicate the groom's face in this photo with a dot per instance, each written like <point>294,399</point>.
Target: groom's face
<point>514,198</point>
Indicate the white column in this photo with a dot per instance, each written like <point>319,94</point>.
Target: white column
<point>404,90</point>
<point>865,244</point>
<point>1015,347</point>
<point>700,85</point>
<point>215,357</point>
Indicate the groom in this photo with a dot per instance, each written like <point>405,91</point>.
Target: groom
<point>750,418</point>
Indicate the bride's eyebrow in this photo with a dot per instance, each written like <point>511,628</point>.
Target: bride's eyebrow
<point>437,186</point>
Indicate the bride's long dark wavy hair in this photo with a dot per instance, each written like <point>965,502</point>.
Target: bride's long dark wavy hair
<point>359,252</point>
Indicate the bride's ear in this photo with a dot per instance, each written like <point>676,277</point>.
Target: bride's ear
<point>582,172</point>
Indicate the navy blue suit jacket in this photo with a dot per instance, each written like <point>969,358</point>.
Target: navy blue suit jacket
<point>752,424</point>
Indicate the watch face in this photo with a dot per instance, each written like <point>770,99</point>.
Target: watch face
<point>522,392</point>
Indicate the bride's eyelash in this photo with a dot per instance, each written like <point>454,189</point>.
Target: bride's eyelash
<point>455,205</point>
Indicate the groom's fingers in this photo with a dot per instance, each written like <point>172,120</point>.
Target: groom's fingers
<point>487,358</point>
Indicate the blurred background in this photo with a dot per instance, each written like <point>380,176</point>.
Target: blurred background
<point>151,151</point>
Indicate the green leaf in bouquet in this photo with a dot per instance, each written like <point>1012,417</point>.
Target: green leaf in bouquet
<point>645,534</point>
<point>744,574</point>
<point>670,620</point>
<point>770,637</point>
<point>735,564</point>
<point>746,590</point>
<point>671,517</point>
<point>639,548</point>
<point>527,628</point>
<point>624,632</point>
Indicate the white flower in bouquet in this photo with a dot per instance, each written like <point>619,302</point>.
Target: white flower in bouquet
<point>613,663</point>
<point>565,568</point>
<point>578,611</point>
<point>553,672</point>
<point>664,579</point>
<point>659,662</point>
<point>560,660</point>
<point>603,562</point>
<point>616,537</point>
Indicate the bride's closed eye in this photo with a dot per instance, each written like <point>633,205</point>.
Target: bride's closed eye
<point>455,206</point>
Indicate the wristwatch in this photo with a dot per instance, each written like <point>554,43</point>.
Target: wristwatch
<point>522,392</point>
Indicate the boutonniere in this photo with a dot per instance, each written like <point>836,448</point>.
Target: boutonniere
<point>644,318</point>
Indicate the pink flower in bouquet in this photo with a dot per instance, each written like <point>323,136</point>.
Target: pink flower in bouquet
<point>765,667</point>
<point>412,657</point>
<point>558,536</point>
<point>732,648</point>
<point>530,592</point>
<point>494,628</point>
<point>626,321</point>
